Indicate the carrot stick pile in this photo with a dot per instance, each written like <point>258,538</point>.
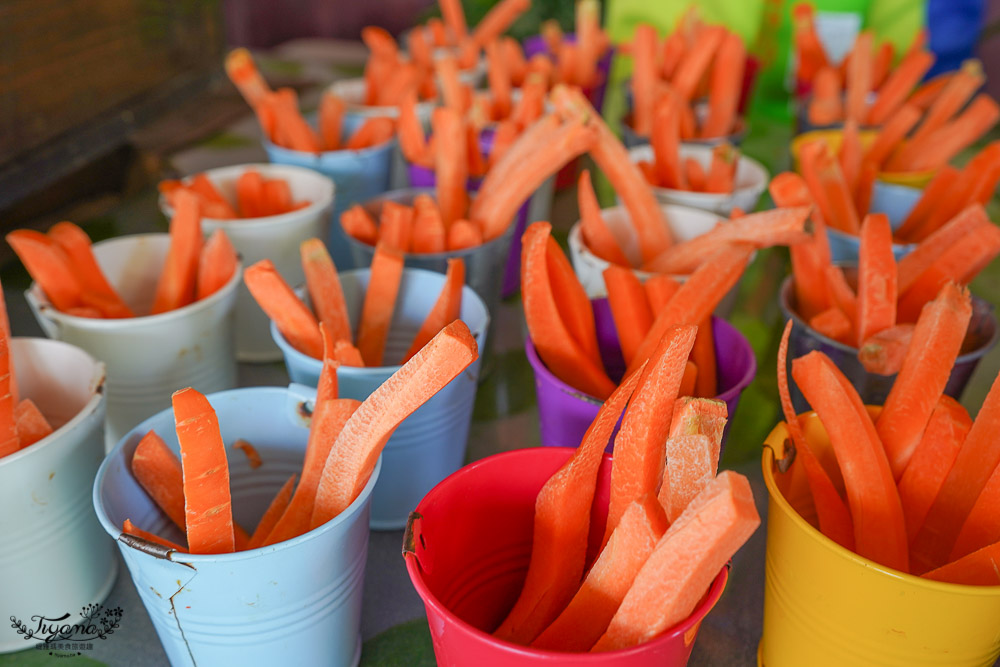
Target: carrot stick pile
<point>920,478</point>
<point>345,440</point>
<point>695,61</point>
<point>325,330</point>
<point>283,124</point>
<point>574,63</point>
<point>21,422</point>
<point>670,528</point>
<point>453,32</point>
<point>256,196</point>
<point>668,170</point>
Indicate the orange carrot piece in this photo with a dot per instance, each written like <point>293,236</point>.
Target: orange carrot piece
<point>497,20</point>
<point>928,92</point>
<point>671,55</point>
<point>694,174</point>
<point>498,78</point>
<point>411,134</point>
<point>451,165</point>
<point>294,320</point>
<point>451,87</point>
<point>178,281</point>
<point>812,158</point>
<point>879,526</point>
<point>696,61</point>
<point>973,467</point>
<point>722,170</point>
<point>940,186</point>
<point>561,527</point>
<point>930,250</point>
<point>324,288</point>
<point>644,79</point>
<point>347,355</point>
<point>372,132</point>
<point>831,511</point>
<point>379,304</point>
<point>596,234</point>
<point>841,212</point>
<point>659,289</point>
<point>703,355</point>
<point>902,79</point>
<point>977,569</point>
<point>684,562</point>
<point>726,86</point>
<point>331,120</point>
<point>937,341</point>
<point>429,233</point>
<point>666,138</point>
<point>217,264</point>
<point>689,380</point>
<point>982,527</point>
<point>692,463</point>
<point>253,456</point>
<point>937,148</point>
<point>158,471</point>
<point>876,278</point>
<point>850,155</point>
<point>589,47</point>
<point>291,129</point>
<point>833,323</point>
<point>76,244</point>
<point>464,234</point>
<point>811,295</point>
<point>49,267</point>
<point>883,353</point>
<point>250,194</point>
<point>211,198</point>
<point>809,49</point>
<point>826,106</point>
<point>131,529</point>
<point>859,78</point>
<point>881,65</point>
<point>955,92</point>
<point>932,459</point>
<point>246,77</point>
<point>446,309</point>
<point>454,18</point>
<point>865,187</point>
<point>553,337</point>
<point>639,451</point>
<point>396,225</point>
<point>892,133</point>
<point>207,503</point>
<point>356,450</point>
<point>271,515</point>
<point>30,423</point>
<point>277,196</point>
<point>629,308</point>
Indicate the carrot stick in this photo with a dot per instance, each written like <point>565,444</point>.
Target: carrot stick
<point>396,225</point>
<point>703,355</point>
<point>178,281</point>
<point>976,461</point>
<point>956,91</point>
<point>826,106</point>
<point>246,77</point>
<point>879,527</point>
<point>454,18</point>
<point>813,157</point>
<point>561,527</point>
<point>696,61</point>
<point>938,147</point>
<point>132,529</point>
<point>327,386</point>
<point>498,19</point>
<point>9,441</point>
<point>977,569</point>
<point>689,380</point>
<point>403,78</point>
<point>499,79</point>
<point>211,199</point>
<point>290,127</point>
<point>372,132</point>
<point>429,233</point>
<point>550,334</point>
<point>694,173</point>
<point>355,451</point>
<point>892,133</point>
<point>451,165</point>
<point>503,137</point>
<point>573,304</point>
<point>640,444</point>
<point>464,234</point>
<point>902,79</point>
<point>722,170</point>
<point>841,212</point>
<point>865,187</point>
<point>914,264</point>
<point>324,288</point>
<point>982,527</point>
<point>216,265</point>
<point>832,323</point>
<point>358,224</point>
<point>937,340</point>
<point>446,309</point>
<point>850,155</point>
<point>883,353</point>
<point>644,78</point>
<point>666,139</point>
<point>588,33</point>
<point>692,463</point>
<point>811,293</point>
<point>876,278</point>
<point>659,289</point>
<point>158,471</point>
<point>943,183</point>
<point>250,194</point>
<point>629,308</point>
<point>881,64</point>
<point>49,267</point>
<point>271,515</point>
<point>687,558</point>
<point>596,234</point>
<point>294,320</point>
<point>859,78</point>
<point>932,459</point>
<point>726,86</point>
<point>476,161</point>
<point>30,423</point>
<point>76,244</point>
<point>927,93</point>
<point>809,49</point>
<point>436,29</point>
<point>380,302</point>
<point>331,120</point>
<point>671,55</point>
<point>347,355</point>
<point>552,35</point>
<point>411,134</point>
<point>207,503</point>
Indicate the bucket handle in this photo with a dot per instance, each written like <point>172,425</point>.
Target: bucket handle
<point>411,535</point>
<point>784,454</point>
<point>149,548</point>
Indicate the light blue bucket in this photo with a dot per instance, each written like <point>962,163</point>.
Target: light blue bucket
<point>296,602</point>
<point>896,201</point>
<point>357,175</point>
<point>430,444</point>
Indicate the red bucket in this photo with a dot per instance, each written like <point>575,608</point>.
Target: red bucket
<point>467,549</point>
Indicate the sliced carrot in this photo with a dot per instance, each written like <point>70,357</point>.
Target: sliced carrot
<point>451,166</point>
<point>841,212</point>
<point>696,61</point>
<point>859,78</point>
<point>49,267</point>
<point>883,353</point>
<point>937,148</point>
<point>881,65</point>
<point>429,233</point>
<point>833,323</point>
<point>850,155</point>
<point>396,222</point>
<point>498,78</point>
<point>639,452</point>
<point>937,341</point>
<point>211,198</point>
<point>726,85</point>
<point>659,289</point>
<point>826,106</point>
<point>356,450</point>
<point>76,244</point>
<point>244,74</point>
<point>973,466</point>
<point>812,158</point>
<point>932,459</point>
<point>178,281</point>
<point>644,78</point>
<point>271,515</point>
<point>216,265</point>
<point>207,503</point>
<point>694,174</point>
<point>879,526</point>
<point>158,471</point>
<point>927,93</point>
<point>498,19</point>
<point>666,139</point>
<point>877,291</point>
<point>372,132</point>
<point>629,308</point>
<point>30,423</point>
<point>588,34</point>
<point>380,303</point>
<point>327,386</point>
<point>955,92</point>
<point>902,79</point>
<point>403,78</point>
<point>690,379</point>
<point>930,250</point>
<point>503,138</point>
<point>253,456</point>
<point>411,134</point>
<point>132,529</point>
<point>722,169</point>
<point>811,295</point>
<point>977,569</point>
<point>291,129</point>
<point>464,234</point>
<point>331,120</point>
<point>250,194</point>
<point>865,188</point>
<point>892,133</point>
<point>561,527</point>
<point>596,234</point>
<point>446,309</point>
<point>809,49</point>
<point>703,355</point>
<point>454,18</point>
<point>690,467</point>
<point>939,187</point>
<point>982,527</point>
<point>294,320</point>
<point>348,355</point>
<point>671,54</point>
<point>687,558</point>
<point>324,288</point>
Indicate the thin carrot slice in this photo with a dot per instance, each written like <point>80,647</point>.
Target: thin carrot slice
<point>881,64</point>
<point>291,128</point>
<point>982,526</point>
<point>411,134</point>
<point>703,355</point>
<point>671,54</point>
<point>202,186</point>
<point>666,139</point>
<point>865,188</point>
<point>324,288</point>
<point>158,471</point>
<point>884,353</point>
<point>561,527</point>
<point>596,234</point>
<point>690,379</point>
<point>331,120</point>
<point>694,174</point>
<point>687,558</point>
<point>932,460</point>
<point>132,529</point>
<point>572,301</point>
<point>356,450</point>
<point>726,85</point>
<point>177,286</point>
<point>347,355</point>
<point>49,267</point>
<point>271,515</point>
<point>902,79</point>
<point>216,265</point>
<point>859,78</point>
<point>207,503</point>
<point>850,156</point>
<point>446,309</point>
<point>811,295</point>
<point>429,235</point>
<point>629,308</point>
<point>380,303</point>
<point>76,244</point>
<point>30,423</point>
<point>454,18</point>
<point>253,456</point>
<point>250,194</point>
<point>826,106</point>
<point>451,165</point>
<point>327,386</point>
<point>876,278</point>
<point>809,49</point>
<point>294,320</point>
<point>659,290</point>
<point>977,569</point>
<point>722,169</point>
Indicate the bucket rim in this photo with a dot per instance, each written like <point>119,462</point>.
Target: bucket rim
<point>701,610</point>
<point>758,171</point>
<point>867,135</point>
<point>116,452</point>
<point>37,297</point>
<point>768,463</point>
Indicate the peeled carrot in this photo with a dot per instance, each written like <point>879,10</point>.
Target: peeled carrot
<point>49,267</point>
<point>665,138</point>
<point>938,147</point>
<point>158,471</point>
<point>955,92</point>
<point>644,78</point>
<point>250,194</point>
<point>659,289</point>
<point>809,49</point>
<point>689,380</point>
<point>498,78</point>
<point>826,106</point>
<point>30,423</point>
<point>841,212</point>
<point>930,250</point>
<point>703,355</point>
<point>396,223</point>
<point>446,309</point>
<point>347,355</point>
<point>217,264</point>
<point>76,244</point>
<point>380,303</point>
<point>561,527</point>
<point>877,291</point>
<point>272,513</point>
<point>902,79</point>
<point>977,569</point>
<point>498,19</point>
<point>726,86</point>
<point>588,33</point>
<point>879,526</point>
<point>131,529</point>
<point>464,234</point>
<point>429,234</point>
<point>694,174</point>
<point>671,54</point>
<point>696,61</point>
<point>832,323</point>
<point>244,74</point>
<point>451,166</point>
<point>881,64</point>
<point>331,120</point>
<point>596,234</point>
<point>454,18</point>
<point>291,129</point>
<point>840,293</point>
<point>372,132</point>
<point>178,281</point>
<point>572,302</point>
<point>9,442</point>
<point>982,527</point>
<point>850,156</point>
<point>324,288</point>
<point>629,308</point>
<point>722,169</point>
<point>692,463</point>
<point>293,319</point>
<point>883,353</point>
<point>356,450</point>
<point>859,78</point>
<point>942,183</point>
<point>892,133</point>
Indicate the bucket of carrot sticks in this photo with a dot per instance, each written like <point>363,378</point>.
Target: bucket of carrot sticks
<point>883,530</point>
<point>431,443</point>
<point>266,210</point>
<point>295,465</point>
<point>157,309</point>
<point>614,584</point>
<point>55,559</point>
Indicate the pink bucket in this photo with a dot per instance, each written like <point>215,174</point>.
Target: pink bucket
<point>469,571</point>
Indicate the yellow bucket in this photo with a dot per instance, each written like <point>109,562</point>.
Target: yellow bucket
<point>833,139</point>
<point>826,606</point>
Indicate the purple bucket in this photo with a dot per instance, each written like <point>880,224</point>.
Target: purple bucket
<point>564,413</point>
<point>980,339</point>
